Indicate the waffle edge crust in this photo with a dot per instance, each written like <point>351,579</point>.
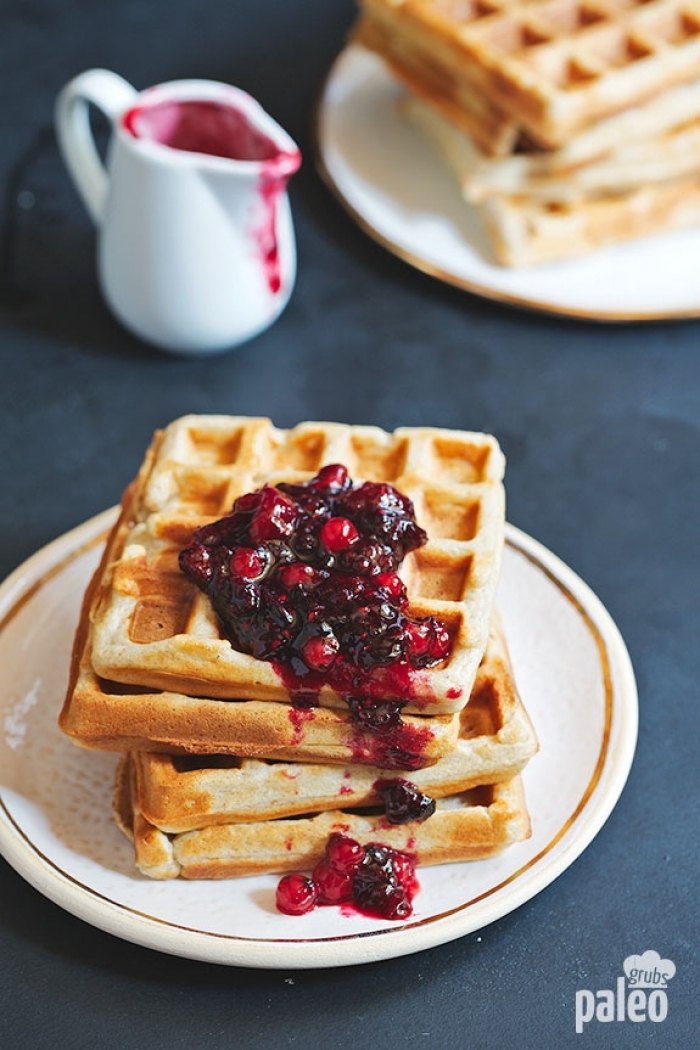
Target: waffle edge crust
<point>474,825</point>
<point>496,740</point>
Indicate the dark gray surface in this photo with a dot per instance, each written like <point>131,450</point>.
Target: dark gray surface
<point>600,425</point>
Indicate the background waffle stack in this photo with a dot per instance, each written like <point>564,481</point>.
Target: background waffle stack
<point>221,774</point>
<point>570,124</point>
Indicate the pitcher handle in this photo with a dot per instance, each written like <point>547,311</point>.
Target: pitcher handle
<point>110,93</point>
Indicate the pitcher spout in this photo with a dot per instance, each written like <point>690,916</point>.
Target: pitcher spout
<point>212,124</point>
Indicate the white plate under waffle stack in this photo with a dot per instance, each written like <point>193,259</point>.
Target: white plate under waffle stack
<point>56,827</point>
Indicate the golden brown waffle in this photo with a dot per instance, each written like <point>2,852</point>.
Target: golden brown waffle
<point>470,826</point>
<point>524,232</point>
<point>552,66</point>
<point>496,740</point>
<point>657,143</point>
<point>151,629</point>
<point>470,110</point>
<point>108,716</point>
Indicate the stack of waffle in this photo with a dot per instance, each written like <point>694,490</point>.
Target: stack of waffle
<point>221,774</point>
<point>570,124</point>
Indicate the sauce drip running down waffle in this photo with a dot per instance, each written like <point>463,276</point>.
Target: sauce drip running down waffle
<point>495,742</point>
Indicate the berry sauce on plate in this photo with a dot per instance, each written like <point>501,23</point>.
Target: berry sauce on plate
<point>375,880</point>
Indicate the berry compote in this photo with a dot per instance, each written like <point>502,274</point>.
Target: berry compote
<point>306,576</point>
<point>403,801</point>
<point>377,880</point>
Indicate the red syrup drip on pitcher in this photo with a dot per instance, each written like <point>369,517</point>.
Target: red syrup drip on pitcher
<point>221,130</point>
<point>265,236</point>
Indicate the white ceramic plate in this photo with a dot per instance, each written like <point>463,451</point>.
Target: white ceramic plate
<point>399,191</point>
<point>55,816</point>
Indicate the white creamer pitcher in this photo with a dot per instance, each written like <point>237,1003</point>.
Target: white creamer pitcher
<point>196,250</point>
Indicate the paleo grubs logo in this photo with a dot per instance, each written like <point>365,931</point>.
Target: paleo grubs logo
<point>639,994</point>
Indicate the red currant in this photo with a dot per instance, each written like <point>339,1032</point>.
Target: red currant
<point>418,637</point>
<point>334,475</point>
<point>274,518</point>
<point>296,894</point>
<point>297,574</point>
<point>319,653</point>
<point>334,886</point>
<point>343,853</point>
<point>338,534</point>
<point>440,642</point>
<point>392,583</point>
<point>248,563</point>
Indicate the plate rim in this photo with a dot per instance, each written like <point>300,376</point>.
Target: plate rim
<point>445,276</point>
<point>128,923</point>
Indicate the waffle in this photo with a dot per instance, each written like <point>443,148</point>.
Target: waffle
<point>524,232</point>
<point>658,143</point>
<point>496,740</point>
<point>473,825</point>
<point>472,112</point>
<point>553,67</point>
<point>108,716</point>
<point>148,626</point>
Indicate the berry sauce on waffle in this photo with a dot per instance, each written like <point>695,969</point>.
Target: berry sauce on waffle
<point>305,576</point>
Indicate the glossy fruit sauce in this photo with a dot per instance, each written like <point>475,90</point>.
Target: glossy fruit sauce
<point>305,576</point>
<point>374,880</point>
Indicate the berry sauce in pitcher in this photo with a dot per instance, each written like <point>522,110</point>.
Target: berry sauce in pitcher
<point>200,126</point>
